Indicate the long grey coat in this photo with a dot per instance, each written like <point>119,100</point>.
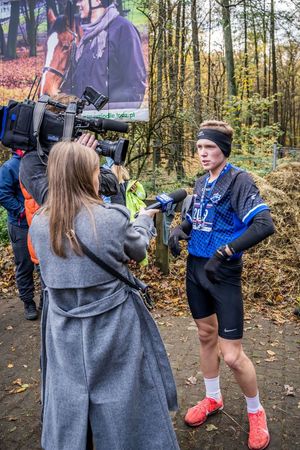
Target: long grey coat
<point>103,360</point>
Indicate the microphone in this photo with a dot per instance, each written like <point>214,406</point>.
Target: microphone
<point>114,125</point>
<point>99,125</point>
<point>165,201</point>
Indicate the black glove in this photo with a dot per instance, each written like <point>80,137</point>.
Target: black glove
<point>213,264</point>
<point>179,234</point>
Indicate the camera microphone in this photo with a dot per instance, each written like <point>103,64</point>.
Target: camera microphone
<point>165,201</point>
<point>114,125</point>
<point>98,125</point>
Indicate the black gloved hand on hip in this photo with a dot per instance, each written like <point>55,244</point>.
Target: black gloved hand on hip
<point>179,233</point>
<point>213,264</point>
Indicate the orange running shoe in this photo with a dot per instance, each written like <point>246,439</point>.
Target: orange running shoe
<point>259,436</point>
<point>199,413</point>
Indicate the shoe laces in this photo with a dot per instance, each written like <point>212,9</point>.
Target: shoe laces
<point>31,307</point>
<point>256,421</point>
<point>203,405</point>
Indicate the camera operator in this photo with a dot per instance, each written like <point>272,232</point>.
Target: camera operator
<point>33,173</point>
<point>34,181</point>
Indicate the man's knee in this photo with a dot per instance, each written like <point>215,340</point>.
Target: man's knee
<point>233,357</point>
<point>208,333</point>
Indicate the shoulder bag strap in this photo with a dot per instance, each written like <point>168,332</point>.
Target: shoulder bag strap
<point>105,266</point>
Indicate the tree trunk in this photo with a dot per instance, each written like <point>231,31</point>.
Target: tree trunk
<point>196,62</point>
<point>174,69</point>
<point>11,48</point>
<point>209,58</point>
<point>160,62</point>
<point>256,57</point>
<point>229,60</point>
<point>265,70</point>
<point>246,62</point>
<point>29,7</point>
<point>2,41</point>
<point>179,156</point>
<point>274,64</point>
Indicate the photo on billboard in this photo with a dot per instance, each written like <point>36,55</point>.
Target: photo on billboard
<point>74,44</point>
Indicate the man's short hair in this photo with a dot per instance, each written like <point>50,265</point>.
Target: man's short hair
<point>218,125</point>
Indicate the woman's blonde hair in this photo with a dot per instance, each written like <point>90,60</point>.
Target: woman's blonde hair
<point>121,173</point>
<point>218,125</point>
<point>71,169</point>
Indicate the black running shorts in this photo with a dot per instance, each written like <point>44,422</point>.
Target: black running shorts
<point>223,299</point>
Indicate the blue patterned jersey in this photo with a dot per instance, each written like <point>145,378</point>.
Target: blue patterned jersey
<point>222,210</point>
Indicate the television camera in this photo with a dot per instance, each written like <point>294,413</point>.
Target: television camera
<point>28,125</point>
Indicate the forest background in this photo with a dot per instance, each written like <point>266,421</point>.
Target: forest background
<point>235,60</point>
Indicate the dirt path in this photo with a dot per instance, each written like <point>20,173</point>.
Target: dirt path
<point>273,349</point>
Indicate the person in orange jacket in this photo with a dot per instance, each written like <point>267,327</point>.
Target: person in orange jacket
<point>12,199</point>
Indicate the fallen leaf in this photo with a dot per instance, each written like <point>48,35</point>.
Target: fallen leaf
<point>18,390</point>
<point>211,427</point>
<point>262,343</point>
<point>271,353</point>
<point>191,380</point>
<point>271,359</point>
<point>12,429</point>
<point>10,366</point>
<point>18,381</point>
<point>289,390</point>
<point>9,327</point>
<point>12,419</point>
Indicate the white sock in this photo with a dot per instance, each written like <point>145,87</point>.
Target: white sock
<point>212,386</point>
<point>253,404</point>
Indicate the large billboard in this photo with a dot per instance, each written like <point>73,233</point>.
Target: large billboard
<point>71,45</point>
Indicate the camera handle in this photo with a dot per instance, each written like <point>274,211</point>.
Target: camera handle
<point>38,114</point>
<point>69,120</point>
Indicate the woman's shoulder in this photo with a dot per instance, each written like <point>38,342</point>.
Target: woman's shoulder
<point>39,218</point>
<point>116,210</point>
<point>104,215</point>
<point>38,224</point>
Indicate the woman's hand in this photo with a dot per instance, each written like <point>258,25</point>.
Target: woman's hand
<point>88,140</point>
<point>149,212</point>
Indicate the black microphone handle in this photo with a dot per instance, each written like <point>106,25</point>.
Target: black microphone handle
<point>156,205</point>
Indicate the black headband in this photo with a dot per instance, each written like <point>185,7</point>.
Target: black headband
<point>221,139</point>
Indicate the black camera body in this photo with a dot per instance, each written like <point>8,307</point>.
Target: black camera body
<point>28,125</point>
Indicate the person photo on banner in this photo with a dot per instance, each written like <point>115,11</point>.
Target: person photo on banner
<point>108,57</point>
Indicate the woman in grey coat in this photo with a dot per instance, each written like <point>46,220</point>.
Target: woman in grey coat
<point>105,372</point>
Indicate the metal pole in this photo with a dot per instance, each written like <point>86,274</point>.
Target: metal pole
<point>274,164</point>
<point>154,167</point>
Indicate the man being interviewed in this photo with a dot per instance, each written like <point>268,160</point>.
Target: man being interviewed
<point>225,216</point>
